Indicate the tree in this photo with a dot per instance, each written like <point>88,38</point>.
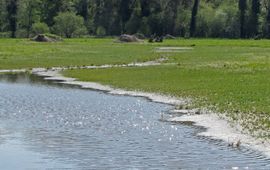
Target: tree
<point>12,7</point>
<point>125,12</point>
<point>207,18</point>
<point>170,16</point>
<point>3,22</point>
<point>28,14</point>
<point>155,19</point>
<point>242,4</point>
<point>66,24</point>
<point>268,22</point>
<point>266,4</point>
<point>194,17</point>
<point>83,9</point>
<point>254,20</point>
<point>134,23</point>
<point>51,8</point>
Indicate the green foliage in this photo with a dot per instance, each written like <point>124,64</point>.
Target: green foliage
<point>254,19</point>
<point>198,18</point>
<point>144,28</point>
<point>12,9</point>
<point>5,34</point>
<point>101,31</point>
<point>28,15</point>
<point>40,28</point>
<point>134,22</point>
<point>21,33</point>
<point>66,24</point>
<point>194,18</point>
<point>3,14</point>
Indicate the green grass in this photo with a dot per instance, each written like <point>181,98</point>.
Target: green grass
<point>229,76</point>
<point>22,53</point>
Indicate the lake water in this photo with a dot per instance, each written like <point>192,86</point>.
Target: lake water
<point>44,125</point>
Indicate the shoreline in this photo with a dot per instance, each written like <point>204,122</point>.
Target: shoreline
<point>217,125</point>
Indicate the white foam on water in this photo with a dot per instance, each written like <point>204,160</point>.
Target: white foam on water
<point>219,128</point>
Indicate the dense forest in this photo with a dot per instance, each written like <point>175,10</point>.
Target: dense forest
<point>184,18</point>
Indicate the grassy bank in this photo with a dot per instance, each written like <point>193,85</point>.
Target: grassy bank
<point>229,76</point>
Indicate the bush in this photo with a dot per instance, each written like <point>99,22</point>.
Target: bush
<point>40,28</point>
<point>68,23</point>
<point>80,32</point>
<point>21,33</point>
<point>5,34</point>
<point>101,31</point>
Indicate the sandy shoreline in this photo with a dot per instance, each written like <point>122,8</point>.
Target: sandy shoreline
<point>13,71</point>
<point>217,127</point>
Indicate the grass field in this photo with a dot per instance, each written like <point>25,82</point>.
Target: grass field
<point>22,53</point>
<point>230,76</point>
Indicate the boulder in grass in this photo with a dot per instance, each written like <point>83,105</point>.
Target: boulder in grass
<point>128,38</point>
<point>46,38</point>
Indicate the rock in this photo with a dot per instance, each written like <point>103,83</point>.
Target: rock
<point>159,39</point>
<point>128,38</point>
<point>156,39</point>
<point>45,38</point>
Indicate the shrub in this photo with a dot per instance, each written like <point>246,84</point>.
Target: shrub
<point>80,32</point>
<point>21,33</point>
<point>67,23</point>
<point>101,31</point>
<point>5,34</point>
<point>40,28</point>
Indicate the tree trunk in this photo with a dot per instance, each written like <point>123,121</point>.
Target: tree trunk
<point>12,16</point>
<point>268,22</point>
<point>194,18</point>
<point>242,9</point>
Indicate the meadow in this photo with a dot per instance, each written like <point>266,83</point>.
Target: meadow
<point>227,76</point>
<point>23,53</point>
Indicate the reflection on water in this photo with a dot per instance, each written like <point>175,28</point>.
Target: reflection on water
<point>46,125</point>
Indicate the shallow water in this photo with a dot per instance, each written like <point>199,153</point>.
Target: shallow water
<point>44,125</point>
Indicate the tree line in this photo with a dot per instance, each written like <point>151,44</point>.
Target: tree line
<point>185,18</point>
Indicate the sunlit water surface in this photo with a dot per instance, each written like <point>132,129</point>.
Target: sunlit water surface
<point>44,125</point>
